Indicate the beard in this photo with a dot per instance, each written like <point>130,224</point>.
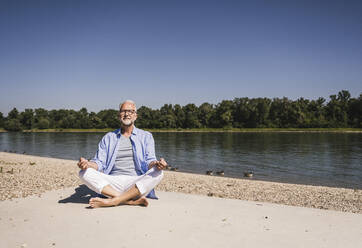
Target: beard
<point>127,122</point>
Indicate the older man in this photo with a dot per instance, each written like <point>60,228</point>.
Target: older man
<point>124,168</point>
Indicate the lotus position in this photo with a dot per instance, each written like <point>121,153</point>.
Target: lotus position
<point>125,168</point>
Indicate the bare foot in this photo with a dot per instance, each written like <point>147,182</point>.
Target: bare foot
<point>100,202</point>
<point>141,202</point>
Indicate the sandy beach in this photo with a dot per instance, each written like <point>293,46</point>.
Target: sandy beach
<point>24,175</point>
<point>43,204</point>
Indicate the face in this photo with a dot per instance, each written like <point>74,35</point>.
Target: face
<point>127,114</point>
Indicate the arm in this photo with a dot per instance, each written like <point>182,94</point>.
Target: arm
<point>99,160</point>
<point>150,151</point>
<point>100,157</point>
<point>150,154</point>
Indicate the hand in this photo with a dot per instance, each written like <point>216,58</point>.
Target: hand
<point>83,163</point>
<point>161,165</point>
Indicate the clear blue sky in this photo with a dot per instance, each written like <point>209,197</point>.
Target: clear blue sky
<point>70,54</point>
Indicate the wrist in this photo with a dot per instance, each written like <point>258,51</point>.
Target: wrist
<point>152,164</point>
<point>93,165</point>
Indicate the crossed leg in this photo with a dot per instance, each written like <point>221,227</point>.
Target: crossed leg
<point>130,197</point>
<point>120,189</point>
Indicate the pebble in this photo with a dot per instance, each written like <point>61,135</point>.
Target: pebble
<point>50,174</point>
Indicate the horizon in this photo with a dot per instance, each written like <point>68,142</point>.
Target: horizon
<point>74,54</point>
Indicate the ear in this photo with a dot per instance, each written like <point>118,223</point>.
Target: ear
<point>135,116</point>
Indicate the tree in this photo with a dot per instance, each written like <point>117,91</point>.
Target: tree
<point>12,125</point>
<point>355,112</point>
<point>168,121</point>
<point>241,112</point>
<point>316,110</point>
<point>109,117</point>
<point>83,118</point>
<point>191,116</point>
<point>43,123</point>
<point>41,114</point>
<point>27,118</point>
<point>13,114</point>
<point>168,118</point>
<point>57,118</point>
<point>223,115</point>
<point>205,113</point>
<point>337,109</point>
<point>341,111</point>
<point>2,120</point>
<point>95,121</point>
<point>144,117</point>
<point>180,116</point>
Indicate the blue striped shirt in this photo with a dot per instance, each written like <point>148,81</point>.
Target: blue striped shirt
<point>143,147</point>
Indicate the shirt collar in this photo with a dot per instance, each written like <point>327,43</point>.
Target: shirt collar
<point>134,131</point>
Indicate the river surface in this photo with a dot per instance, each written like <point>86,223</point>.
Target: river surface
<point>328,159</point>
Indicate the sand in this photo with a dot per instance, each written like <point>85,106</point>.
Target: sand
<point>43,204</point>
<point>24,175</point>
<point>61,218</point>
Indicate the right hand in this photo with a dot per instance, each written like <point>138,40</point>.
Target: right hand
<point>83,163</point>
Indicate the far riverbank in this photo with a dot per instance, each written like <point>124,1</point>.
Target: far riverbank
<point>205,130</point>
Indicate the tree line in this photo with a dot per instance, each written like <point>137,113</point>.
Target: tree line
<point>340,111</point>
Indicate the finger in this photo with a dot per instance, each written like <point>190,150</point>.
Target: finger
<point>163,162</point>
<point>85,162</point>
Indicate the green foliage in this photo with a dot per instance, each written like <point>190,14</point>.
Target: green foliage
<point>341,111</point>
<point>13,114</point>
<point>27,119</point>
<point>2,119</point>
<point>13,125</point>
<point>43,123</point>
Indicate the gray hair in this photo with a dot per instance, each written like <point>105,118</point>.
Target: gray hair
<point>127,101</point>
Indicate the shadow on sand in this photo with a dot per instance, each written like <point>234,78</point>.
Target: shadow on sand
<point>82,194</point>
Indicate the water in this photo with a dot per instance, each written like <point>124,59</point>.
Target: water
<point>329,159</point>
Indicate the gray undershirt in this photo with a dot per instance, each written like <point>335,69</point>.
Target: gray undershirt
<point>124,164</point>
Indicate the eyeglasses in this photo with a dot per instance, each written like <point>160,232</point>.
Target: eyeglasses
<point>127,111</point>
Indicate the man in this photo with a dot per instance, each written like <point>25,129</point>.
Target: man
<point>124,168</point>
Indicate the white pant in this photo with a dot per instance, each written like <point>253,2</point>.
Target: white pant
<point>96,180</point>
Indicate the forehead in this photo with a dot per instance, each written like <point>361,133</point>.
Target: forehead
<point>128,105</point>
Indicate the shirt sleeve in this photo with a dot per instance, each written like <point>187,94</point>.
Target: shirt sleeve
<point>150,149</point>
<point>100,157</point>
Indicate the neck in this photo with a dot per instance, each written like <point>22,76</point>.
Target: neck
<point>127,130</point>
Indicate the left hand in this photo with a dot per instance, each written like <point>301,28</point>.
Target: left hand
<point>161,165</point>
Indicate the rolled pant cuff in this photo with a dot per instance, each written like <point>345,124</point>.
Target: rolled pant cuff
<point>101,186</point>
<point>141,188</point>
